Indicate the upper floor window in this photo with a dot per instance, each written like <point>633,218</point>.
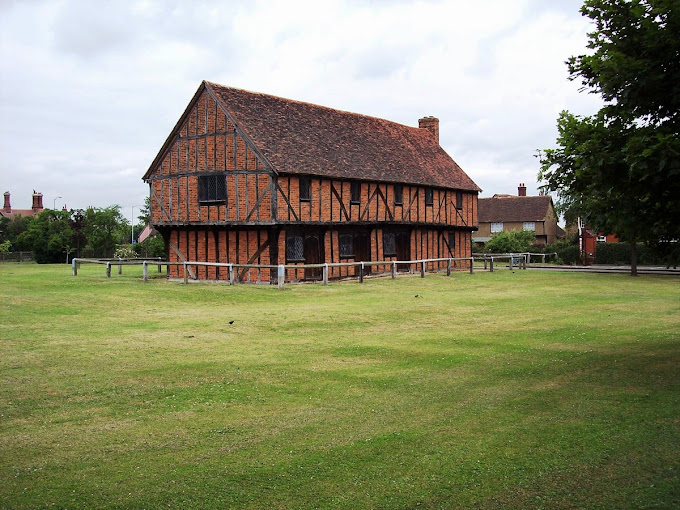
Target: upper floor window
<point>429,196</point>
<point>529,225</point>
<point>212,188</point>
<point>496,226</point>
<point>355,191</point>
<point>398,194</point>
<point>305,189</point>
<point>459,199</point>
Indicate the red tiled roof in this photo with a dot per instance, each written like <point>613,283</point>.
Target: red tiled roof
<point>512,208</point>
<point>303,138</point>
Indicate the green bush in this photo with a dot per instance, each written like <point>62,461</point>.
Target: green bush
<point>514,241</point>
<point>619,253</point>
<point>566,249</point>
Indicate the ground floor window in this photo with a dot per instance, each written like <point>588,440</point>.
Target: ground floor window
<point>389,244</point>
<point>295,251</point>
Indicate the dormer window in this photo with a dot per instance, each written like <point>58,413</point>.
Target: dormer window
<point>355,192</point>
<point>429,196</point>
<point>305,189</point>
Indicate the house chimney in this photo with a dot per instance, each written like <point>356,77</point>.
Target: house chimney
<point>8,207</point>
<point>37,202</point>
<point>431,124</point>
<point>521,190</point>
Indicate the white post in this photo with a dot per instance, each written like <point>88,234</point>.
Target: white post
<point>145,271</point>
<point>74,268</point>
<point>281,275</point>
<point>325,273</point>
<point>231,274</point>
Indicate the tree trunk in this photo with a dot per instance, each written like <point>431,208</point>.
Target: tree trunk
<point>633,258</point>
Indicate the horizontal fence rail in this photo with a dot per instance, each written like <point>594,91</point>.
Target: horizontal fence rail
<point>281,269</point>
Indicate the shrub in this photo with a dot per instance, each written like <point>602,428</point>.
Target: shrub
<point>566,249</point>
<point>514,241</point>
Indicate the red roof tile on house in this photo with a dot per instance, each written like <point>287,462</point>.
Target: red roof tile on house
<point>303,138</point>
<point>512,208</point>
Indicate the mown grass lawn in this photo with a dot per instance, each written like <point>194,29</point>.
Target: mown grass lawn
<point>494,390</point>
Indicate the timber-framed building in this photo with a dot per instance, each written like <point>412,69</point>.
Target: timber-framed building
<point>250,178</point>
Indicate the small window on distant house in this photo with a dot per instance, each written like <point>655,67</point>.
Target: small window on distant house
<point>459,199</point>
<point>601,239</point>
<point>496,227</point>
<point>429,196</point>
<point>355,191</point>
<point>398,194</point>
<point>212,188</point>
<point>295,249</point>
<point>305,189</point>
<point>529,226</point>
<point>346,246</point>
<point>389,246</point>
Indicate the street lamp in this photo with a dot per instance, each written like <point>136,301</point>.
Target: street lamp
<point>54,202</point>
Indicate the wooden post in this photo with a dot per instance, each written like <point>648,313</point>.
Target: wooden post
<point>472,265</point>
<point>108,269</point>
<point>120,268</point>
<point>282,275</point>
<point>159,265</point>
<point>510,261</point>
<point>74,268</point>
<point>448,268</point>
<point>394,269</point>
<point>361,273</point>
<point>145,271</point>
<point>231,274</point>
<point>325,274</point>
<point>167,269</point>
<point>491,265</point>
<point>186,273</point>
<point>485,261</point>
<point>543,259</point>
<point>422,269</point>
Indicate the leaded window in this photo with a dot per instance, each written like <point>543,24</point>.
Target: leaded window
<point>529,226</point>
<point>212,188</point>
<point>459,199</point>
<point>346,246</point>
<point>389,245</point>
<point>295,251</point>
<point>496,226</point>
<point>305,189</point>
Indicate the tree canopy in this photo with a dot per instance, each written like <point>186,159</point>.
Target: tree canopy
<point>620,168</point>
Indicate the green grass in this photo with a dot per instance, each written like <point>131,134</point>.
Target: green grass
<point>494,390</point>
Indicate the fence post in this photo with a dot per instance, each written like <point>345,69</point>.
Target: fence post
<point>74,268</point>
<point>524,263</point>
<point>422,269</point>
<point>510,261</point>
<point>472,265</point>
<point>120,267</point>
<point>159,265</point>
<point>490,265</point>
<point>108,269</point>
<point>361,273</point>
<point>282,275</point>
<point>394,269</point>
<point>231,274</point>
<point>186,274</point>
<point>145,271</point>
<point>448,268</point>
<point>325,273</point>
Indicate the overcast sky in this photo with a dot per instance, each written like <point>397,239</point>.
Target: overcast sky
<point>91,89</point>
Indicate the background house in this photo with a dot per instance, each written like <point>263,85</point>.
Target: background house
<point>8,212</point>
<point>249,178</point>
<point>509,212</point>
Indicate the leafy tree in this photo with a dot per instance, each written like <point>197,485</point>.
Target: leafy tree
<point>49,236</point>
<point>513,241</point>
<point>620,169</point>
<point>12,229</point>
<point>105,228</point>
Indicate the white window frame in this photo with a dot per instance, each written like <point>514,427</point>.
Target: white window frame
<point>529,226</point>
<point>496,227</point>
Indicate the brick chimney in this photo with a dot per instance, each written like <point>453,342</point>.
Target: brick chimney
<point>7,208</point>
<point>431,124</point>
<point>37,202</point>
<point>521,190</point>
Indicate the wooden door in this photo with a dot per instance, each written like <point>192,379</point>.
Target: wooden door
<point>403,248</point>
<point>312,256</point>
<point>362,251</point>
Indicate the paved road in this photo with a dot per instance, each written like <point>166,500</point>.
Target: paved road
<point>609,269</point>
